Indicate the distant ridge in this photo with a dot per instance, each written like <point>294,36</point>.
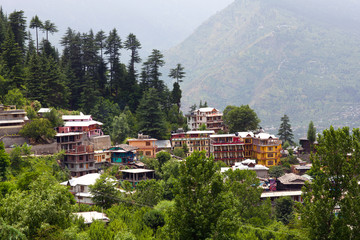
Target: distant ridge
<point>300,58</point>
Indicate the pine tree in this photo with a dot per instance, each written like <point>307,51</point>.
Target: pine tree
<point>285,131</point>
<point>49,27</point>
<point>176,95</point>
<point>36,23</point>
<point>17,23</point>
<point>150,117</point>
<point>112,49</point>
<point>177,73</point>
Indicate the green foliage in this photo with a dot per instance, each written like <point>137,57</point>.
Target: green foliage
<point>185,148</point>
<point>203,127</point>
<point>285,145</point>
<point>120,128</point>
<point>241,118</point>
<point>179,152</point>
<point>4,162</point>
<point>154,219</point>
<point>104,192</point>
<point>39,130</point>
<point>46,203</point>
<point>276,171</point>
<point>31,113</point>
<point>284,209</point>
<point>311,133</point>
<point>98,231</point>
<point>285,131</point>
<point>162,157</point>
<point>335,168</point>
<point>15,97</point>
<point>149,192</point>
<point>55,118</point>
<point>150,116</point>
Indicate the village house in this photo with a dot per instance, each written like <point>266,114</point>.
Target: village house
<point>122,154</point>
<point>290,182</point>
<point>211,117</point>
<point>90,217</point>
<point>145,144</point>
<point>80,160</point>
<point>134,176</point>
<point>79,187</point>
<point>11,120</point>
<point>249,164</point>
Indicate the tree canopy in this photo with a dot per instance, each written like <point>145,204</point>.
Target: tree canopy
<point>285,132</point>
<point>241,118</point>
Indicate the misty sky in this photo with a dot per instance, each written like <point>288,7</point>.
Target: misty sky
<point>158,24</point>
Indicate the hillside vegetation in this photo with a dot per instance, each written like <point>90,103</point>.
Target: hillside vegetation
<point>298,58</point>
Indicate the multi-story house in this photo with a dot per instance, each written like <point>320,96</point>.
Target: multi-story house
<point>211,117</point>
<point>145,144</point>
<point>266,149</point>
<point>194,140</point>
<point>81,123</point>
<point>228,148</point>
<point>248,143</point>
<point>80,160</point>
<point>11,120</point>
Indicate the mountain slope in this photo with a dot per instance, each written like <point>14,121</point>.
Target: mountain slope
<point>282,57</point>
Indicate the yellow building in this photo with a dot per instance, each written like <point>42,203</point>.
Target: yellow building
<point>266,149</point>
<point>146,146</point>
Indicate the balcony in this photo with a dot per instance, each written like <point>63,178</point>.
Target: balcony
<point>81,149</point>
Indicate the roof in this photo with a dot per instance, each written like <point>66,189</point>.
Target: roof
<point>76,117</point>
<point>126,147</point>
<point>69,134</point>
<point>142,139</point>
<point>163,143</point>
<point>291,178</point>
<point>248,161</point>
<point>207,109</point>
<point>137,170</point>
<point>199,132</point>
<point>222,135</point>
<point>89,217</point>
<point>280,194</point>
<point>81,124</point>
<point>245,134</point>
<point>265,136</point>
<point>11,121</point>
<point>44,110</point>
<point>302,167</point>
<point>86,180</point>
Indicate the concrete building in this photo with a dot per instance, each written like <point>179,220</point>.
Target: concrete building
<point>211,117</point>
<point>11,120</point>
<point>134,176</point>
<point>249,164</point>
<point>145,144</point>
<point>80,160</point>
<point>228,148</point>
<point>266,149</point>
<point>194,140</point>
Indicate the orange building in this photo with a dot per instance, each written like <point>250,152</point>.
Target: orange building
<point>145,144</point>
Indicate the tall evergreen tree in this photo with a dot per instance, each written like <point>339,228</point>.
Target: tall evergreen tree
<point>49,27</point>
<point>17,23</point>
<point>112,49</point>
<point>285,131</point>
<point>101,71</point>
<point>149,114</point>
<point>36,23</point>
<point>176,95</point>
<point>177,73</point>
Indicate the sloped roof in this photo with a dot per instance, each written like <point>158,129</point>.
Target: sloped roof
<point>89,217</point>
<point>291,178</point>
<point>86,180</point>
<point>76,117</point>
<point>81,124</point>
<point>126,147</point>
<point>245,134</point>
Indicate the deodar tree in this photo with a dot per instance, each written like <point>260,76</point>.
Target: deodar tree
<point>332,201</point>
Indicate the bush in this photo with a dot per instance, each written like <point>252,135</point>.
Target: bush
<point>154,219</point>
<point>179,152</point>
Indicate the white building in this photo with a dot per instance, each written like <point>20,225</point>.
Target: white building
<point>79,187</point>
<point>211,117</point>
<point>249,164</point>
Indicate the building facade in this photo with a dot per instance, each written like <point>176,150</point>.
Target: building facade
<point>11,120</point>
<point>211,117</point>
<point>266,149</point>
<point>228,148</point>
<point>145,144</point>
<point>194,140</point>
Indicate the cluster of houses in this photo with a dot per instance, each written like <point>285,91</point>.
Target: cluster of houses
<point>88,150</point>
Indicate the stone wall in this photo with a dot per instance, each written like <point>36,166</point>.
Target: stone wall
<point>14,130</point>
<point>40,149</point>
<point>12,140</point>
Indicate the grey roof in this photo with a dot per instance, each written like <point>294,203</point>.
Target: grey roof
<point>126,147</point>
<point>291,178</point>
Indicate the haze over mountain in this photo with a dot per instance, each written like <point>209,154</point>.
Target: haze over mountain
<point>158,24</point>
<point>294,57</point>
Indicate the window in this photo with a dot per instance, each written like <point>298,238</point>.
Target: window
<point>82,188</point>
<point>81,158</point>
<point>147,143</point>
<point>72,166</point>
<point>81,165</point>
<point>91,164</point>
<point>103,156</point>
<point>270,148</point>
<point>270,155</point>
<point>147,153</point>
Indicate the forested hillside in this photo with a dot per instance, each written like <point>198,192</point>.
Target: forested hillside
<point>88,76</point>
<point>298,58</point>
